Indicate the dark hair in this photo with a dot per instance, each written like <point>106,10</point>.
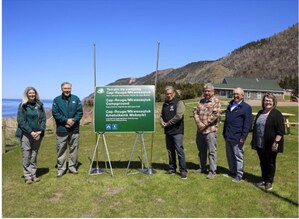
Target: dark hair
<point>270,96</point>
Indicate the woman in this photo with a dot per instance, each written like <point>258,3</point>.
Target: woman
<point>267,139</point>
<point>31,126</point>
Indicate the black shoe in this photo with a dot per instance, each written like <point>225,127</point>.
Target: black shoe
<point>237,179</point>
<point>184,175</point>
<point>261,185</point>
<point>170,172</point>
<point>268,186</point>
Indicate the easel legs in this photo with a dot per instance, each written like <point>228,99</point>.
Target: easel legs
<point>97,170</point>
<point>144,151</point>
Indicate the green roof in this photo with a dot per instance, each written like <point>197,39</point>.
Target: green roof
<point>255,84</point>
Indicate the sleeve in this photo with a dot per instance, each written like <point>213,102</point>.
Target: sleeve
<point>216,113</point>
<point>247,122</point>
<point>179,114</point>
<point>22,123</point>
<point>280,124</point>
<point>56,112</point>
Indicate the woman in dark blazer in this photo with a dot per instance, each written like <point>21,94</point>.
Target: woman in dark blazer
<point>267,139</point>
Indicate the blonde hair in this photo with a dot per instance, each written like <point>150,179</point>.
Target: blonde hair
<point>25,95</point>
<point>269,96</point>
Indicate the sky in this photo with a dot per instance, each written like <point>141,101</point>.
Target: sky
<point>47,42</point>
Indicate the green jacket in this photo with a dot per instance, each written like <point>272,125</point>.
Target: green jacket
<point>31,117</point>
<point>64,108</point>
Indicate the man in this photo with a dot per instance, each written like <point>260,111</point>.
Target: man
<point>206,116</point>
<point>172,120</point>
<point>237,125</point>
<point>67,112</point>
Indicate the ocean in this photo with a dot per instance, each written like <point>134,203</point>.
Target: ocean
<point>10,106</point>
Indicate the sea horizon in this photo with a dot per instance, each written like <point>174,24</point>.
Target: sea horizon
<point>10,106</point>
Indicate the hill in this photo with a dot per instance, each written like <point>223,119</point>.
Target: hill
<point>269,58</point>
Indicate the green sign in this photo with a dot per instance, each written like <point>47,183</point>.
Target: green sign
<point>124,109</point>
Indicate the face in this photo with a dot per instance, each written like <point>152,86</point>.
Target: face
<point>66,90</point>
<point>208,93</point>
<point>170,94</point>
<point>268,103</point>
<point>31,95</point>
<point>238,95</point>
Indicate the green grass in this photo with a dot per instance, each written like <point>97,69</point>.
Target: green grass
<point>157,195</point>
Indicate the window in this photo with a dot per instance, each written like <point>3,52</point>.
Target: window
<point>259,95</point>
<point>248,94</point>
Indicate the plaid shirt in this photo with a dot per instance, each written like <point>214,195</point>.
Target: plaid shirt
<point>208,112</point>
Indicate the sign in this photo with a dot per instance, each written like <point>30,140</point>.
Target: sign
<point>124,108</point>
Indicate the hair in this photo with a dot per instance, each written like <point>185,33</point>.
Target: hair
<point>270,96</point>
<point>240,89</point>
<point>208,86</point>
<point>25,95</point>
<point>169,88</point>
<point>64,83</point>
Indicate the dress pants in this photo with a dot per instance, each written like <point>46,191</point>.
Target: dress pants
<point>207,145</point>
<point>235,158</point>
<point>62,140</point>
<point>268,164</point>
<point>174,144</point>
<point>30,148</point>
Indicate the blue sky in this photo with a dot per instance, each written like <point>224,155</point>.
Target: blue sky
<point>47,42</point>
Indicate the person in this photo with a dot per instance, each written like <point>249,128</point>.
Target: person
<point>31,119</point>
<point>206,117</point>
<point>237,125</point>
<point>172,120</point>
<point>267,139</point>
<point>67,112</point>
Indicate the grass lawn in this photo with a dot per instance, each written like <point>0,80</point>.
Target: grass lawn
<point>157,195</point>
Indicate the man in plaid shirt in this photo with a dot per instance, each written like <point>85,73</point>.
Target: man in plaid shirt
<point>207,116</point>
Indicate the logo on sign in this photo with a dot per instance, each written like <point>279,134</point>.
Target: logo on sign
<point>101,91</point>
<point>114,126</point>
<point>108,126</point>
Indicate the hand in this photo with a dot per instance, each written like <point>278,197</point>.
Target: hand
<point>35,135</point>
<point>274,147</point>
<point>163,124</point>
<point>69,123</point>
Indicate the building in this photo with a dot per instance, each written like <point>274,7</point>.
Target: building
<point>254,88</point>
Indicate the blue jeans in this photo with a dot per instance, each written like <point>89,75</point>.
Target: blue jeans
<point>235,158</point>
<point>174,144</point>
<point>207,143</point>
